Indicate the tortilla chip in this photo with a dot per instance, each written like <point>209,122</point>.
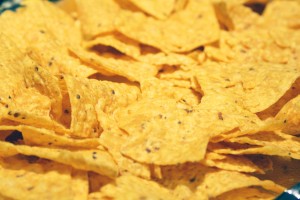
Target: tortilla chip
<point>246,193</point>
<point>44,137</point>
<point>155,88</point>
<point>284,101</point>
<point>288,116</point>
<point>235,16</point>
<point>232,163</point>
<point>23,97</point>
<point>38,14</point>
<point>199,182</point>
<point>85,94</point>
<point>97,17</point>
<point>156,8</point>
<point>126,67</point>
<point>180,5</point>
<point>42,36</point>
<point>131,187</point>
<point>117,41</point>
<point>287,14</point>
<point>90,160</point>
<point>194,26</point>
<point>255,44</point>
<point>156,133</point>
<point>40,49</point>
<point>113,139</point>
<point>268,143</point>
<point>238,81</point>
<point>228,181</point>
<point>31,180</point>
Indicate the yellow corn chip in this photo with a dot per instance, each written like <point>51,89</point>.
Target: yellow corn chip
<point>156,8</point>
<point>287,14</point>
<point>194,26</point>
<point>97,17</point>
<point>268,143</point>
<point>98,161</point>
<point>155,134</point>
<point>113,138</point>
<point>155,88</point>
<point>117,41</point>
<point>246,193</point>
<point>127,99</point>
<point>284,101</point>
<point>44,137</point>
<point>235,16</point>
<point>30,180</point>
<point>34,17</point>
<point>131,187</point>
<point>229,181</point>
<point>288,116</point>
<point>126,67</point>
<point>85,94</point>
<point>245,82</point>
<point>228,162</point>
<point>41,50</point>
<point>24,97</point>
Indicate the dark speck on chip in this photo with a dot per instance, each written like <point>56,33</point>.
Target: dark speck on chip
<point>14,136</point>
<point>256,7</point>
<point>192,180</point>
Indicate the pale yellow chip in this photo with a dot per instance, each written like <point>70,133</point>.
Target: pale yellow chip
<point>252,45</point>
<point>44,137</point>
<point>179,5</point>
<point>133,49</point>
<point>229,162</point>
<point>97,17</point>
<point>267,143</point>
<point>171,99</point>
<point>122,66</point>
<point>171,59</point>
<point>155,134</point>
<point>35,17</point>
<point>288,100</point>
<point>289,117</point>
<point>228,181</point>
<point>113,139</point>
<point>247,193</point>
<point>244,82</point>
<point>27,180</point>
<point>118,41</point>
<point>44,40</point>
<point>96,160</point>
<point>85,94</point>
<point>156,8</point>
<point>41,47</point>
<point>235,16</point>
<point>23,97</point>
<point>131,187</point>
<point>287,14</point>
<point>200,182</point>
<point>154,88</point>
<point>185,30</point>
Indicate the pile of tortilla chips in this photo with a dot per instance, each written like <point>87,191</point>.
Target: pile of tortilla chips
<point>140,99</point>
